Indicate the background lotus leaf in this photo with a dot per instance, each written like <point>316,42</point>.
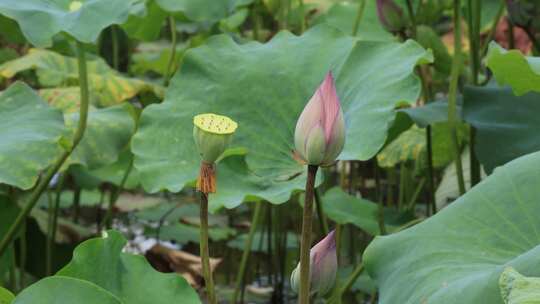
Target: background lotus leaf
<point>512,68</point>
<point>30,131</point>
<point>40,20</point>
<point>107,86</point>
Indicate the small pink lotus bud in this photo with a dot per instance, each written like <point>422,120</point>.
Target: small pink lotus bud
<point>320,131</point>
<point>323,266</point>
<point>390,15</point>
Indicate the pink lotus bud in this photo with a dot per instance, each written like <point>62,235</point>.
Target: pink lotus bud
<point>320,131</point>
<point>390,15</point>
<point>323,266</point>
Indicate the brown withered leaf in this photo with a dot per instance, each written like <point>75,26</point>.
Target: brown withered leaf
<point>186,264</point>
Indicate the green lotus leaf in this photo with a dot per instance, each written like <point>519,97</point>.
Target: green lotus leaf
<point>507,125</point>
<point>236,184</point>
<point>460,252</point>
<point>154,57</point>
<point>65,290</point>
<point>512,68</point>
<point>264,87</point>
<point>431,113</point>
<point>342,16</point>
<point>111,173</point>
<point>145,21</point>
<point>203,10</point>
<point>6,296</point>
<point>67,99</point>
<point>107,86</point>
<point>128,277</point>
<point>40,20</point>
<point>30,131</point>
<point>344,209</point>
<point>519,289</point>
<point>411,145</point>
<point>108,133</point>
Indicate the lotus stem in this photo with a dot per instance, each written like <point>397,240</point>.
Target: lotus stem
<point>22,257</point>
<point>172,57</point>
<point>44,181</point>
<point>473,21</point>
<point>205,255</point>
<point>76,205</point>
<point>107,220</point>
<point>493,29</point>
<point>247,250</point>
<point>410,10</point>
<point>305,245</point>
<point>358,18</point>
<point>431,182</point>
<point>352,278</point>
<point>452,96</point>
<point>115,47</point>
<point>53,222</point>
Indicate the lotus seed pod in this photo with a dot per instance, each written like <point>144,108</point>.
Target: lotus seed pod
<point>212,135</point>
<point>323,266</point>
<point>320,131</point>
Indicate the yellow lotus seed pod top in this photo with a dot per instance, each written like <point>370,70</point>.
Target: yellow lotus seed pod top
<point>216,124</point>
<point>75,6</point>
<point>212,135</point>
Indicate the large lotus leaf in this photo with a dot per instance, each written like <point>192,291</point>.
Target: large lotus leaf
<point>129,277</point>
<point>507,126</point>
<point>512,68</point>
<point>203,10</point>
<point>411,146</point>
<point>342,15</point>
<point>432,112</point>
<point>459,253</point>
<point>265,87</point>
<point>107,134</point>
<point>154,57</point>
<point>519,289</point>
<point>112,173</point>
<point>65,290</point>
<point>30,132</point>
<point>11,32</point>
<point>40,20</point>
<point>344,208</point>
<point>236,184</point>
<point>67,99</point>
<point>107,86</point>
<point>5,296</point>
<point>145,21</point>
